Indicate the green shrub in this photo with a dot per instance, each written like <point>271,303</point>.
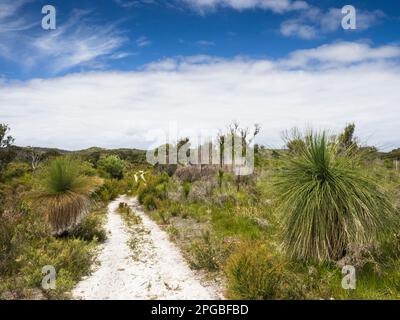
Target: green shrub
<point>110,190</point>
<point>26,246</point>
<point>71,258</point>
<point>16,232</point>
<point>112,166</point>
<point>208,253</point>
<point>153,192</point>
<point>91,228</point>
<point>149,202</point>
<point>175,209</point>
<point>255,272</point>
<point>186,189</point>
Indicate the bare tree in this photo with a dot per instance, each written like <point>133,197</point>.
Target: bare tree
<point>34,156</point>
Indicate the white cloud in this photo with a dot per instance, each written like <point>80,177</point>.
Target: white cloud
<point>340,53</point>
<point>296,28</point>
<point>278,6</point>
<point>315,22</point>
<point>309,21</point>
<point>114,109</point>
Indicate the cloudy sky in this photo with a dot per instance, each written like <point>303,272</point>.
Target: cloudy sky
<point>115,72</point>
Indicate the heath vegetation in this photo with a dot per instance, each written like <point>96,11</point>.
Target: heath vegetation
<point>285,231</point>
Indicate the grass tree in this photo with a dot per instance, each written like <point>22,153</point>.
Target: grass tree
<point>329,201</point>
<point>63,193</point>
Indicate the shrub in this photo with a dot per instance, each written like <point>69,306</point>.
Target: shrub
<point>164,216</point>
<point>149,202</point>
<point>63,194</point>
<point>208,253</point>
<point>113,166</point>
<point>328,201</point>
<point>254,272</point>
<point>71,258</point>
<point>91,228</point>
<point>175,209</point>
<point>186,189</point>
<point>110,190</point>
<point>16,231</point>
<point>155,190</point>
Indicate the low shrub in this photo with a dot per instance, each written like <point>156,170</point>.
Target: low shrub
<point>186,189</point>
<point>91,228</point>
<point>255,272</point>
<point>71,258</point>
<point>208,253</point>
<point>110,190</point>
<point>154,191</point>
<point>175,209</point>
<point>26,246</point>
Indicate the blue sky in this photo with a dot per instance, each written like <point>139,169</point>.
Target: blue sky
<point>211,49</point>
<point>144,31</point>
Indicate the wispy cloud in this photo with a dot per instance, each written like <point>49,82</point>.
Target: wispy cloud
<point>79,41</point>
<point>143,42</point>
<point>309,21</point>
<point>315,22</point>
<point>326,87</point>
<point>133,3</point>
<point>12,22</point>
<point>205,43</point>
<point>8,8</point>
<point>278,6</point>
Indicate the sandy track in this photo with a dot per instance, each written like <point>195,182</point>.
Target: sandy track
<point>158,272</point>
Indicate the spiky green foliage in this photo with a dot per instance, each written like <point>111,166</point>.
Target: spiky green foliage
<point>329,201</point>
<point>63,193</point>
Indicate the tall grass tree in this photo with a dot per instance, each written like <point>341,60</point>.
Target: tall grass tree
<point>329,201</point>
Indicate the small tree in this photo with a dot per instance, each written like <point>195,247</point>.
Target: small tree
<point>6,153</point>
<point>34,156</point>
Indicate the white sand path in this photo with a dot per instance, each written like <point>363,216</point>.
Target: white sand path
<point>159,272</point>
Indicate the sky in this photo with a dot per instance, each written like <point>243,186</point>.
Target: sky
<point>121,73</point>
